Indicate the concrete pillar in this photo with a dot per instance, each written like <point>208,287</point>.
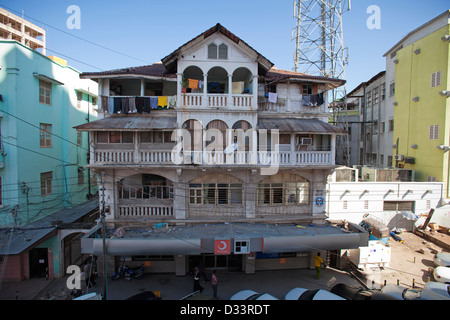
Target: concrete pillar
<point>180,265</point>
<point>230,91</point>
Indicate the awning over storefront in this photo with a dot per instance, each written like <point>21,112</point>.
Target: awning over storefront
<point>195,240</point>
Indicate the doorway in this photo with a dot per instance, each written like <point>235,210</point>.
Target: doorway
<point>38,260</point>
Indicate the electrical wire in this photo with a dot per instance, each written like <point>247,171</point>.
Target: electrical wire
<point>75,36</point>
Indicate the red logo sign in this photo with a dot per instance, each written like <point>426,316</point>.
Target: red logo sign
<point>222,246</point>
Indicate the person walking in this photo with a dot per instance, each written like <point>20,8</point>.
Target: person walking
<point>214,281</point>
<point>197,286</point>
<point>318,261</point>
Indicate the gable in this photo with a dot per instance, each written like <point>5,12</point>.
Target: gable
<point>217,48</point>
<point>170,61</point>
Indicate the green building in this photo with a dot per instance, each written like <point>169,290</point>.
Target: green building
<point>418,80</point>
<point>42,156</point>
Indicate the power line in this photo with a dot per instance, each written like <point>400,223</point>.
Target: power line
<point>75,36</point>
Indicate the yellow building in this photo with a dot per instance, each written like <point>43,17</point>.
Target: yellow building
<point>421,101</point>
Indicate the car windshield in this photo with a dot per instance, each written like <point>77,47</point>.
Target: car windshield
<point>410,294</point>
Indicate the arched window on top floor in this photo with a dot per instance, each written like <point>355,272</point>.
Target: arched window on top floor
<point>218,52</point>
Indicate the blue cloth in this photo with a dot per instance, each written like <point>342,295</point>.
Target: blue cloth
<point>154,103</point>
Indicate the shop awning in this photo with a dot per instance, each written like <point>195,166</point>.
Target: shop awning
<point>195,240</point>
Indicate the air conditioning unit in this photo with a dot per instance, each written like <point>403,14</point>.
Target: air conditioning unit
<point>410,160</point>
<point>305,141</point>
<point>399,157</point>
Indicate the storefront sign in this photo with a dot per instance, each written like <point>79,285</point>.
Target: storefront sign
<point>222,246</point>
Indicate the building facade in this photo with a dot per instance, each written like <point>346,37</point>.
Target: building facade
<point>417,73</point>
<point>213,136</point>
<point>42,156</point>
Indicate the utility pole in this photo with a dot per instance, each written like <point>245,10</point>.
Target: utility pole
<point>103,221</point>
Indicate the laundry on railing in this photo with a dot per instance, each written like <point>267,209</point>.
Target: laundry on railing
<point>313,100</point>
<point>126,105</point>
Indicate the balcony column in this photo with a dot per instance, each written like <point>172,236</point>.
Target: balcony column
<point>293,154</point>
<point>180,102</point>
<point>333,149</point>
<point>255,91</point>
<point>205,102</point>
<point>230,91</point>
<point>142,87</point>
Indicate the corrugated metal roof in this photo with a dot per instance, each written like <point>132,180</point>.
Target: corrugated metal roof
<point>130,122</point>
<point>299,125</point>
<point>15,241</point>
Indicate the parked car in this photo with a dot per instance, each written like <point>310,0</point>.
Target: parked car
<point>435,291</point>
<point>442,259</point>
<point>252,295</point>
<point>431,291</point>
<point>401,293</point>
<point>356,293</point>
<point>442,274</point>
<point>309,294</point>
<point>146,295</point>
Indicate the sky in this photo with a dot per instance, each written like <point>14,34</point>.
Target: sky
<point>118,34</point>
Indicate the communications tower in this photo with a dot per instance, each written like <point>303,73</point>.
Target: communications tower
<point>320,50</point>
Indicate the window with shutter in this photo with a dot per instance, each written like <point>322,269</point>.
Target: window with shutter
<point>212,51</point>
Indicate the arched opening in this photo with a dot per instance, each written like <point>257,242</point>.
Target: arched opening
<point>242,81</point>
<point>284,189</point>
<point>217,81</point>
<point>242,136</point>
<point>192,81</point>
<point>195,129</point>
<point>222,127</point>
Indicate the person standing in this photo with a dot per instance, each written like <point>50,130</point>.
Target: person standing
<point>197,286</point>
<point>214,281</point>
<point>318,261</point>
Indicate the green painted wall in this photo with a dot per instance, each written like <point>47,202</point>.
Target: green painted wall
<point>22,114</point>
<point>413,74</point>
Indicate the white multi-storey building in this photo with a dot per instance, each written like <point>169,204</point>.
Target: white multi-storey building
<point>221,149</point>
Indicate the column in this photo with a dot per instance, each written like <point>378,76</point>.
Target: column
<point>333,149</point>
<point>255,92</point>
<point>230,91</point>
<point>142,87</point>
<point>205,102</point>
<point>180,102</point>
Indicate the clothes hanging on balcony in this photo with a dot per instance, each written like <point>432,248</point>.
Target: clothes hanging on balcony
<point>117,105</point>
<point>162,103</point>
<point>154,103</point>
<point>273,97</point>
<point>139,104</point>
<point>132,104</point>
<point>125,107</point>
<point>172,102</point>
<point>105,104</point>
<point>110,105</point>
<point>214,87</point>
<point>192,84</point>
<point>306,100</point>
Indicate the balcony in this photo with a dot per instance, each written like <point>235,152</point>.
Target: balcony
<point>145,202</point>
<point>235,101</point>
<point>241,158</point>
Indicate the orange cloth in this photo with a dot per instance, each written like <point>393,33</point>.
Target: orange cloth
<point>193,84</point>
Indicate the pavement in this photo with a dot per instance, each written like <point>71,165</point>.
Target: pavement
<point>411,265</point>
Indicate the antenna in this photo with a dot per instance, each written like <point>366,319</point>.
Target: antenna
<point>320,50</point>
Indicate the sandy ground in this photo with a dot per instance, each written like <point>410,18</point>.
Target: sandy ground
<point>411,262</point>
